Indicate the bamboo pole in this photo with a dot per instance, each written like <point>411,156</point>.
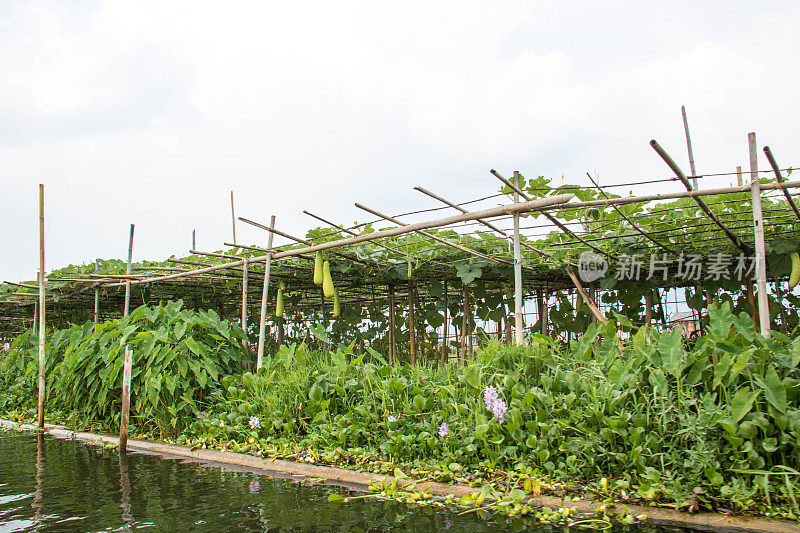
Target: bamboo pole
<point>233,219</point>
<point>128,273</point>
<point>263,321</point>
<point>96,294</point>
<point>392,353</point>
<point>739,176</point>
<point>519,334</point>
<point>433,237</point>
<point>779,179</point>
<point>710,214</point>
<point>758,230</point>
<point>42,313</point>
<point>35,315</point>
<point>463,351</point>
<point>445,350</point>
<point>194,240</point>
<point>648,307</point>
<point>689,146</point>
<point>586,298</point>
<point>126,400</point>
<point>245,278</point>
<point>412,334</point>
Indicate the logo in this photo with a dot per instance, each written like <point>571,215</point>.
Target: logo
<point>591,266</point>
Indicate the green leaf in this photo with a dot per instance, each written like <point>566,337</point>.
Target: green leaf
<point>742,403</point>
<point>774,390</point>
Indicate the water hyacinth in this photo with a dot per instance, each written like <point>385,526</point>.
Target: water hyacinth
<point>255,423</point>
<point>391,418</point>
<point>494,403</point>
<point>443,429</point>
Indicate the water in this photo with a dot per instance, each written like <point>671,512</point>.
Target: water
<point>48,484</point>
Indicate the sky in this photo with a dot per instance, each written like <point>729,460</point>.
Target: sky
<point>152,112</point>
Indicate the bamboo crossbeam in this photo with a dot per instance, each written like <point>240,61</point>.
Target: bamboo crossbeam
<point>510,209</point>
<point>21,285</point>
<point>779,177</point>
<point>560,225</point>
<point>710,214</point>
<point>293,238</point>
<point>628,220</point>
<point>434,237</point>
<point>487,224</point>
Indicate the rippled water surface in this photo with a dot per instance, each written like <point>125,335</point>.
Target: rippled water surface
<point>48,484</point>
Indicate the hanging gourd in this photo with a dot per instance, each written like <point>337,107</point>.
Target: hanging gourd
<point>408,260</point>
<point>327,281</point>
<point>795,277</point>
<point>318,268</point>
<point>337,308</point>
<point>279,303</point>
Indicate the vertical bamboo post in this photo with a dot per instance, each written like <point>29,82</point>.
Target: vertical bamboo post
<point>263,320</point>
<point>35,313</point>
<point>739,176</point>
<point>126,400</point>
<point>194,239</point>
<point>463,351</point>
<point>758,229</point>
<point>412,333</point>
<point>42,314</point>
<point>648,307</point>
<point>245,279</point>
<point>128,273</point>
<point>96,294</point>
<point>392,354</point>
<point>233,219</point>
<point>519,335</point>
<point>445,351</point>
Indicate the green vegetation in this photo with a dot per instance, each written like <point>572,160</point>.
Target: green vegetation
<point>715,425</point>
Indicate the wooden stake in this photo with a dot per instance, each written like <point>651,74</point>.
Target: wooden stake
<point>445,350</point>
<point>518,325</point>
<point>126,399</point>
<point>233,219</point>
<point>128,273</point>
<point>42,313</point>
<point>263,321</point>
<point>392,353</point>
<point>96,294</point>
<point>648,307</point>
<point>412,333</point>
<point>758,229</point>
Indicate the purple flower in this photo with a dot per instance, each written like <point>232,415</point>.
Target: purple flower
<point>391,418</point>
<point>255,486</point>
<point>494,403</point>
<point>255,422</point>
<point>489,397</point>
<point>443,429</point>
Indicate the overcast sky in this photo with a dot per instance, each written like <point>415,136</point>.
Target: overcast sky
<point>151,112</point>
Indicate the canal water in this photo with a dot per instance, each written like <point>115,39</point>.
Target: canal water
<point>49,484</point>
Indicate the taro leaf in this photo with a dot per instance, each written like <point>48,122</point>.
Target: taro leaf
<point>744,325</point>
<point>319,332</point>
<point>670,345</point>
<point>742,402</point>
<point>721,319</point>
<point>774,390</point>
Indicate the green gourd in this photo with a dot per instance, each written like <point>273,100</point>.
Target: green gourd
<point>327,280</point>
<point>279,304</point>
<point>795,277</point>
<point>318,269</point>
<point>337,307</point>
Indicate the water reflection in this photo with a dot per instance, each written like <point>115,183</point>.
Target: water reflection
<point>125,492</point>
